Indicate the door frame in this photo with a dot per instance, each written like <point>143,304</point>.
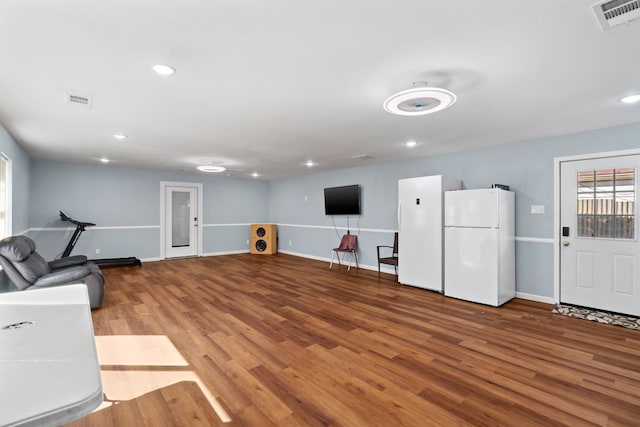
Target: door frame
<point>557,161</point>
<point>163,231</point>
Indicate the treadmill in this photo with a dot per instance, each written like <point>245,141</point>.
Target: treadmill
<point>104,262</point>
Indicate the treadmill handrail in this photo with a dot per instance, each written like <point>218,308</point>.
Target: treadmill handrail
<point>65,217</point>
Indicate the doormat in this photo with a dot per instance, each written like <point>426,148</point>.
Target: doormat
<point>598,316</point>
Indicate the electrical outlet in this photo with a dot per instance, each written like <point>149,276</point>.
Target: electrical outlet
<point>247,242</point>
<point>306,199</point>
<point>537,209</point>
<point>98,251</point>
<point>290,243</point>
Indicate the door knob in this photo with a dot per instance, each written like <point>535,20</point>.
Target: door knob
<point>565,243</point>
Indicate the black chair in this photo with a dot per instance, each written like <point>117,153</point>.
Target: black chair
<point>389,260</point>
<point>28,270</point>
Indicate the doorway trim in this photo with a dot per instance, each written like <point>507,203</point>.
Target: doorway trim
<point>556,202</point>
<point>163,231</point>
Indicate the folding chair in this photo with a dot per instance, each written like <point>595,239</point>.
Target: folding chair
<point>348,245</point>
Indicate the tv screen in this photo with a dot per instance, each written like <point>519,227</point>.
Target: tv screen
<point>342,200</point>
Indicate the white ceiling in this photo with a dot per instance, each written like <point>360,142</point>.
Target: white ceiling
<point>265,86</point>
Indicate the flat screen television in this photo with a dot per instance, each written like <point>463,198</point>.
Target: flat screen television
<point>342,200</point>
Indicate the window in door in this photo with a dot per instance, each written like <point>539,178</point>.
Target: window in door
<point>606,203</point>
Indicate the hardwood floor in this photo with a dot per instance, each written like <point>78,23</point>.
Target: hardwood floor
<point>284,341</point>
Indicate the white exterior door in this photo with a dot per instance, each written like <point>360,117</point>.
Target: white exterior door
<point>599,252</point>
<point>181,221</point>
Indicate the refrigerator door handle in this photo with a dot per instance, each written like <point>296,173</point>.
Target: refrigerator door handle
<point>399,221</point>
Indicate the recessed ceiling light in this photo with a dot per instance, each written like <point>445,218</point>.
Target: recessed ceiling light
<point>104,160</point>
<point>310,163</point>
<point>119,136</point>
<point>410,144</point>
<point>164,70</point>
<point>631,99</point>
<point>419,100</point>
<point>255,174</point>
<point>211,169</point>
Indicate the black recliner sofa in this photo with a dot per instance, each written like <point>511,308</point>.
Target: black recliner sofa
<point>28,270</point>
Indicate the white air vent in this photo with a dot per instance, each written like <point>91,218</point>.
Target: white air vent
<point>363,156</point>
<point>611,13</point>
<point>78,100</point>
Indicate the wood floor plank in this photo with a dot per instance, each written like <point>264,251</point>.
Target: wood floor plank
<point>284,341</point>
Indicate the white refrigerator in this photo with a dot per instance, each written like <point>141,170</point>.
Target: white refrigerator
<point>479,236</point>
<point>420,240</point>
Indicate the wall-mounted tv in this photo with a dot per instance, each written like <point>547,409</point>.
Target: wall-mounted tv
<point>342,200</point>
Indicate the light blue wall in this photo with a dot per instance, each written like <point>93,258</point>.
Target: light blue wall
<point>527,167</point>
<point>21,169</point>
<point>129,199</point>
<point>113,196</point>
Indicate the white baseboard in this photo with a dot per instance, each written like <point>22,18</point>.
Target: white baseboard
<point>317,258</point>
<point>538,298</point>
<point>244,251</point>
<point>207,254</point>
<point>531,297</point>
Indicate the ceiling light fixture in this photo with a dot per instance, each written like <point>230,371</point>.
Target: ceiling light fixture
<point>419,100</point>
<point>410,144</point>
<point>631,99</point>
<point>164,70</point>
<point>104,160</point>
<point>255,174</point>
<point>211,169</point>
<point>119,136</point>
<point>309,163</point>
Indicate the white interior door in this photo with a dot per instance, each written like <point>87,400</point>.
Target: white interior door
<point>599,252</point>
<point>181,222</point>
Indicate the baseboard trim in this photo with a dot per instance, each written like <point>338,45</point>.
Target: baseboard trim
<point>203,255</point>
<point>317,258</point>
<point>533,297</point>
<point>522,295</point>
<point>243,251</point>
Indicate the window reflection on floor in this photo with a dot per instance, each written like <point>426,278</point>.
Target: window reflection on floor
<point>153,351</point>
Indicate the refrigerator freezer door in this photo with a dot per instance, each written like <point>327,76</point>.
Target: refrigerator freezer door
<point>471,208</point>
<point>471,264</point>
<point>420,239</point>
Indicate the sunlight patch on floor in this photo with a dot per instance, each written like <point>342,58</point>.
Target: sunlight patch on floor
<point>138,350</point>
<point>144,351</point>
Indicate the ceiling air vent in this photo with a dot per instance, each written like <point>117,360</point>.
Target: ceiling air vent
<point>611,13</point>
<point>363,157</point>
<point>78,100</point>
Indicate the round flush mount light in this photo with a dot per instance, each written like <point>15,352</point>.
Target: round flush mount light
<point>631,99</point>
<point>119,136</point>
<point>419,100</point>
<point>410,144</point>
<point>211,169</point>
<point>164,70</point>
<point>104,160</point>
<point>255,174</point>
<point>310,163</point>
